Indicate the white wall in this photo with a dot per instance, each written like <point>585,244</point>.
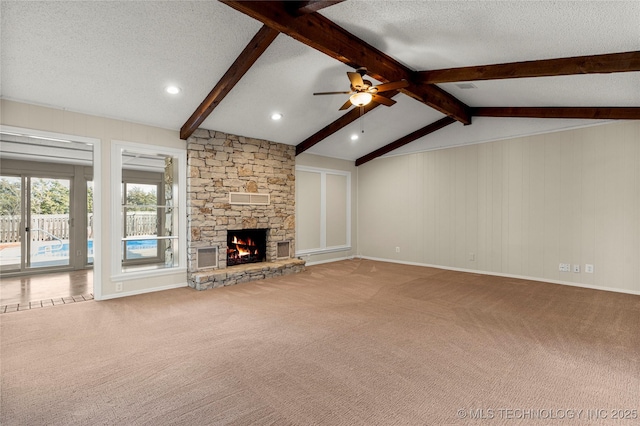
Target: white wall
<point>310,209</point>
<point>517,207</point>
<point>60,121</point>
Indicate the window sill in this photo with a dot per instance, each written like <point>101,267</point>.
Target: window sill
<point>147,271</point>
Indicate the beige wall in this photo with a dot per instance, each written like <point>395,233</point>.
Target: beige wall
<point>517,207</point>
<point>59,121</point>
<point>310,209</point>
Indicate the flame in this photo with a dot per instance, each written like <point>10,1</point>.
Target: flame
<point>248,242</point>
<point>242,251</point>
<point>243,247</point>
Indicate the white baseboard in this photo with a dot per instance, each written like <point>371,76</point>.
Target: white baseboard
<point>337,259</point>
<point>142,291</point>
<point>499,274</point>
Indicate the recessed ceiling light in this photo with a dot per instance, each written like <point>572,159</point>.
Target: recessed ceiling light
<point>467,86</point>
<point>354,137</point>
<point>276,116</point>
<point>173,90</point>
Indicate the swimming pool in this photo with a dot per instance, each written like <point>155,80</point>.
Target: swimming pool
<point>60,249</point>
<point>57,253</point>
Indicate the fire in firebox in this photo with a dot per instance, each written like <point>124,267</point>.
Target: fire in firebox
<point>247,246</point>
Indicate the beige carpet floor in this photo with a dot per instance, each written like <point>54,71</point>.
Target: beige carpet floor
<point>348,343</point>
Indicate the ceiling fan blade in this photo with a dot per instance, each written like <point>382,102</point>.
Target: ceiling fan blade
<point>392,86</point>
<point>332,93</point>
<point>382,100</point>
<point>346,105</point>
<point>356,80</point>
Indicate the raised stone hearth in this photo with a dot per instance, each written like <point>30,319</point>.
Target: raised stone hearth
<point>220,164</point>
<point>244,273</point>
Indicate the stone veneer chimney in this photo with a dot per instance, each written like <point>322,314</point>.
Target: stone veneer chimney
<point>221,163</point>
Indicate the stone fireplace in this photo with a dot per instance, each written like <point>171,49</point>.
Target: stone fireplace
<point>240,184</point>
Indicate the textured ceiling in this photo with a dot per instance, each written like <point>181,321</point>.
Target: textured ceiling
<point>444,34</point>
<point>114,59</point>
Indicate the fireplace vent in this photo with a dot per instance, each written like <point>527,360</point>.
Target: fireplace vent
<point>283,250</point>
<point>207,258</point>
<point>250,198</point>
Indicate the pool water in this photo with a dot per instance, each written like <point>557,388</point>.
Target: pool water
<point>56,253</point>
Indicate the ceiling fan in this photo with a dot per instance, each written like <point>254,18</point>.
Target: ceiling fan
<point>363,91</point>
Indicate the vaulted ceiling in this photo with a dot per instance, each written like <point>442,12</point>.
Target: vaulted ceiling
<point>114,59</point>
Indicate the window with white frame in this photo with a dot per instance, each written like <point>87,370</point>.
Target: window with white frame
<point>144,212</point>
<point>323,210</point>
<point>149,209</point>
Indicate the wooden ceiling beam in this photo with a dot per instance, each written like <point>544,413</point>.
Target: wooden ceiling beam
<point>609,113</point>
<point>443,122</point>
<point>297,8</point>
<point>320,33</point>
<point>340,123</point>
<point>256,47</point>
<point>594,64</point>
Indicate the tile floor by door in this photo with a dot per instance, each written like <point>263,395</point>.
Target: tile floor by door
<point>41,290</point>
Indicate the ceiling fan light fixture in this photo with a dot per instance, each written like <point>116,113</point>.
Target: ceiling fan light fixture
<point>361,98</point>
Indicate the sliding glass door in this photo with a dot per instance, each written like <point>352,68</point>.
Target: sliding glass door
<point>11,229</point>
<point>35,223</point>
<point>49,232</point>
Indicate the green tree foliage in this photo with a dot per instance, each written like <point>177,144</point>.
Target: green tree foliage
<point>138,196</point>
<point>9,197</point>
<point>90,198</point>
<point>49,196</point>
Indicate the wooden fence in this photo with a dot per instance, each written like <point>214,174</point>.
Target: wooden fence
<point>9,229</point>
<point>142,223</point>
<point>45,227</point>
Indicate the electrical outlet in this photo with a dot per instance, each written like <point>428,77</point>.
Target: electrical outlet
<point>588,268</point>
<point>118,286</point>
<point>472,257</point>
<point>565,267</point>
<point>397,249</point>
<point>576,268</point>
